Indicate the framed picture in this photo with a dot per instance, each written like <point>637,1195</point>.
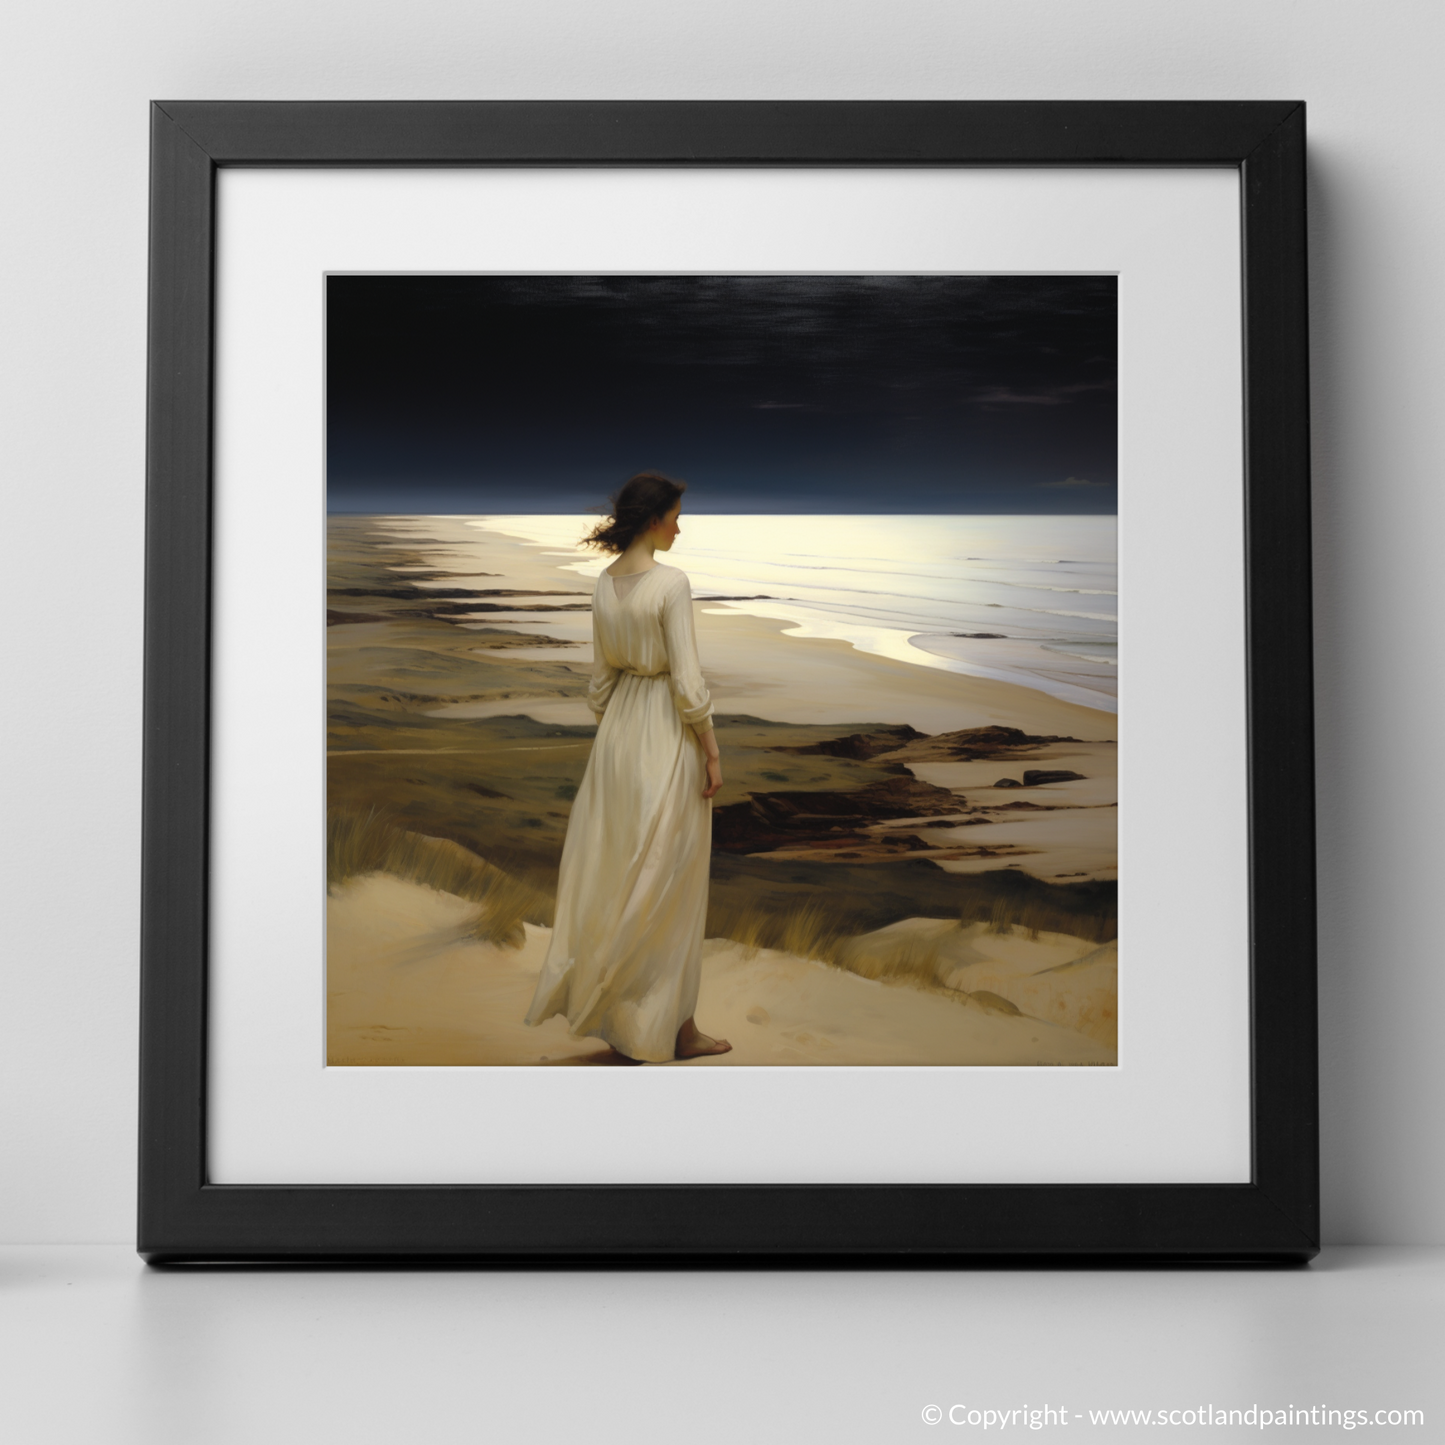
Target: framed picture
<point>728,680</point>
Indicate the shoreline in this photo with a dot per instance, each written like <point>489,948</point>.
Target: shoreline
<point>729,643</point>
<point>1063,672</point>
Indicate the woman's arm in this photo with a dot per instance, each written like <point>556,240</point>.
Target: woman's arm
<point>599,691</point>
<point>604,675</point>
<point>708,739</point>
<point>689,691</point>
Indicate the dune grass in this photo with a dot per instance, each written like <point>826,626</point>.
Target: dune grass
<point>911,959</point>
<point>360,842</point>
<point>1035,915</point>
<point>809,930</point>
<point>817,932</point>
<point>814,930</point>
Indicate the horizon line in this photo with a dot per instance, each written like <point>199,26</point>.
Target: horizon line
<point>705,512</point>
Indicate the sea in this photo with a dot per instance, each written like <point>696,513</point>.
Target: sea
<point>1023,599</point>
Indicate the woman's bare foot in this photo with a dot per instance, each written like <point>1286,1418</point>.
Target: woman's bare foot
<point>692,1044</point>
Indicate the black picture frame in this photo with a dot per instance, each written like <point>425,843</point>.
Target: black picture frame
<point>184,1217</point>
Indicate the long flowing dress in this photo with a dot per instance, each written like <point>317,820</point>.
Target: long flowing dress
<point>626,950</point>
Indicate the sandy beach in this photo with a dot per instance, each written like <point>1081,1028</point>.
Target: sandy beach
<point>459,660</point>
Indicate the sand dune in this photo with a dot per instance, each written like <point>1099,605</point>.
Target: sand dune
<point>406,986</point>
<point>1052,976</point>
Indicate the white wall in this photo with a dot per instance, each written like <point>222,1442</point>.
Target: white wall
<point>75,78</point>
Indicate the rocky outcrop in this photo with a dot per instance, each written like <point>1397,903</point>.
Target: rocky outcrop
<point>799,819</point>
<point>339,619</point>
<point>453,606</point>
<point>973,745</point>
<point>1037,778</point>
<point>409,593</point>
<point>860,746</point>
<point>448,611</point>
<point>498,639</point>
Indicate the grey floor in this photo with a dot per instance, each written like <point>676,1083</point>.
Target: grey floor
<point>96,1348</point>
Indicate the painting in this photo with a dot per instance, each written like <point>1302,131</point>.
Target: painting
<point>895,528</point>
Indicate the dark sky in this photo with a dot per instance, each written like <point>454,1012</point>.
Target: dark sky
<point>765,393</point>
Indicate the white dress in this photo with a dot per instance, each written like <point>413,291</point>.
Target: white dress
<point>626,947</point>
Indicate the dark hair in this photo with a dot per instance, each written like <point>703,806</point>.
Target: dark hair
<point>644,499</point>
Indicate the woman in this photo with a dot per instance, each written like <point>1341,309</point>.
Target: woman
<point>626,950</point>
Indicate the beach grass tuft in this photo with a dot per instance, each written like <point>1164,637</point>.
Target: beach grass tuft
<point>359,842</point>
<point>909,959</point>
<point>807,930</point>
